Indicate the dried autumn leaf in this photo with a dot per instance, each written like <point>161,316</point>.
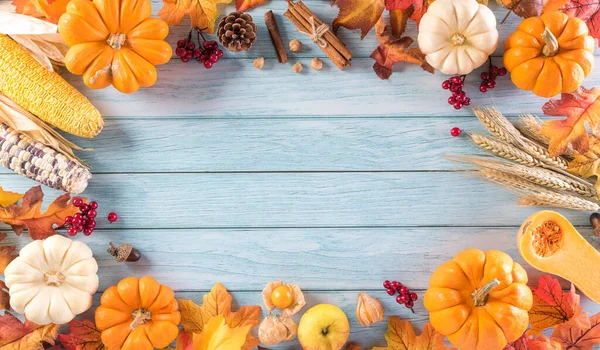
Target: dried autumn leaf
<point>587,165</point>
<point>83,336</point>
<point>525,8</point>
<point>401,336</point>
<point>184,341</point>
<point>580,332</point>
<point>358,14</point>
<point>392,51</point>
<point>26,7</point>
<point>245,316</point>
<point>351,346</point>
<point>4,297</point>
<point>551,305</point>
<point>414,9</point>
<point>398,21</point>
<point>519,344</point>
<point>192,318</point>
<point>586,10</point>
<point>50,9</point>
<point>35,339</point>
<point>28,214</point>
<point>203,13</point>
<point>7,198</point>
<point>543,343</point>
<point>218,335</point>
<point>580,107</point>
<point>6,256</point>
<point>554,5</point>
<point>245,5</point>
<point>11,329</point>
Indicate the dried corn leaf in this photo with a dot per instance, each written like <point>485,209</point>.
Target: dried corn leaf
<point>50,54</point>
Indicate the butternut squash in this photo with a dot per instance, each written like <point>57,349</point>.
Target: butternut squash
<point>549,242</point>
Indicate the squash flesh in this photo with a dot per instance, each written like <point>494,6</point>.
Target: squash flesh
<point>571,258</point>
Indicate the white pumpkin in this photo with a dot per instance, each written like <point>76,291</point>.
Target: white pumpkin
<point>457,36</point>
<point>52,281</point>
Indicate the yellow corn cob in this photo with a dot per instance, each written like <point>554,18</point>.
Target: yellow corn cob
<point>45,93</point>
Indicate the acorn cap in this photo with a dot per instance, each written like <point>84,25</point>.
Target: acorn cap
<point>121,252</point>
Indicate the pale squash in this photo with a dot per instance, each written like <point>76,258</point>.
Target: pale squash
<point>549,242</point>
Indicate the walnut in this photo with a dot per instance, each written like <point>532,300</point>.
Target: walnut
<point>295,45</point>
<point>297,67</point>
<point>316,63</point>
<point>369,310</point>
<point>259,63</point>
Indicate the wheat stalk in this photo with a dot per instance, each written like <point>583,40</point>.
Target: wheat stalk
<point>534,194</point>
<point>541,176</point>
<point>504,150</point>
<point>498,125</point>
<point>531,127</point>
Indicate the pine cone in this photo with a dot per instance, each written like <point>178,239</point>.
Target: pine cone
<point>237,31</point>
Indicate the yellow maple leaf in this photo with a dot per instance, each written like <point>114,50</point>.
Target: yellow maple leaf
<point>203,13</point>
<point>217,335</point>
<point>33,340</point>
<point>587,164</point>
<point>195,318</point>
<point>7,198</point>
<point>401,336</point>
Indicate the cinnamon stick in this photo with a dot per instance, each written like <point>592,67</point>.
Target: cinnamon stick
<point>335,49</point>
<point>275,37</point>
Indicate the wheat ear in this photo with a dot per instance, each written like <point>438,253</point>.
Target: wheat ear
<point>531,127</point>
<point>497,124</point>
<point>533,194</point>
<point>504,150</point>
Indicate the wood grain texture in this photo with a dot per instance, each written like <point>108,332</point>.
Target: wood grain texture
<point>222,200</point>
<point>314,258</point>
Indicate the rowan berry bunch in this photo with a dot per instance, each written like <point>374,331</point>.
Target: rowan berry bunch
<point>405,296</point>
<point>459,97</point>
<point>84,221</point>
<point>207,52</point>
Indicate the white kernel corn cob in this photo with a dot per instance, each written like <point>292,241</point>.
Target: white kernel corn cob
<point>38,162</point>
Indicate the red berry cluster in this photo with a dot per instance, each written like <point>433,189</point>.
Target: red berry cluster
<point>488,79</point>
<point>208,53</point>
<point>459,97</point>
<point>404,295</point>
<point>84,221</point>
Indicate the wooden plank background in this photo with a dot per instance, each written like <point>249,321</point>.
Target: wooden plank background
<point>332,180</point>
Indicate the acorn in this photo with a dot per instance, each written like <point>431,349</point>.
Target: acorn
<point>595,221</point>
<point>124,252</point>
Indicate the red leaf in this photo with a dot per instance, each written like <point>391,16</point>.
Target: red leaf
<point>551,305</point>
<point>580,332</point>
<point>519,344</point>
<point>83,336</point>
<point>543,343</point>
<point>12,329</point>
<point>417,7</point>
<point>586,10</point>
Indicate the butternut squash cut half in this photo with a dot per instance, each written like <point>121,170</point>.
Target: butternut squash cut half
<point>548,242</point>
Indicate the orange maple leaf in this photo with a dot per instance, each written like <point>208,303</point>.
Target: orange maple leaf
<point>580,107</point>
<point>580,332</point>
<point>28,214</point>
<point>202,12</point>
<point>401,336</point>
<point>392,51</point>
<point>218,302</point>
<point>50,9</point>
<point>83,336</point>
<point>245,5</point>
<point>551,305</point>
<point>11,329</point>
<point>26,7</point>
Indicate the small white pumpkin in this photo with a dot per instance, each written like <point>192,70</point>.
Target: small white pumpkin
<point>457,36</point>
<point>52,281</point>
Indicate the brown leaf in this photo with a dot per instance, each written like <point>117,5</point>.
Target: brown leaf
<point>525,8</point>
<point>551,305</point>
<point>4,297</point>
<point>12,329</point>
<point>417,8</point>
<point>587,165</point>
<point>586,10</point>
<point>28,214</point>
<point>83,336</point>
<point>398,20</point>
<point>192,318</point>
<point>203,13</point>
<point>6,256</point>
<point>401,336</point>
<point>580,107</point>
<point>351,346</point>
<point>35,339</point>
<point>358,14</point>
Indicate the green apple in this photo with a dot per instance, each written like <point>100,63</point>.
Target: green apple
<point>323,327</point>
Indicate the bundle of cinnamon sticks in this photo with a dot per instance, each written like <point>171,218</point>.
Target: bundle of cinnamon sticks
<point>307,22</point>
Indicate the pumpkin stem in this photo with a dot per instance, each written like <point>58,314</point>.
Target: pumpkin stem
<point>480,295</point>
<point>116,40</point>
<point>140,316</point>
<point>551,47</point>
<point>54,278</point>
<point>458,39</point>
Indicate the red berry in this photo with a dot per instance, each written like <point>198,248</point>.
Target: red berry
<point>84,208</point>
<point>185,59</point>
<point>485,76</point>
<point>502,71</point>
<point>386,284</point>
<point>467,102</point>
<point>79,228</point>
<point>94,205</point>
<point>91,224</point>
<point>451,100</point>
<point>400,299</point>
<point>391,291</point>
<point>413,296</point>
<point>76,222</point>
<point>190,46</point>
<point>214,58</point>
<point>189,54</point>
<point>446,85</point>
<point>68,220</point>
<point>455,131</point>
<point>112,217</point>
<point>483,88</point>
<point>219,53</point>
<point>91,213</point>
<point>77,216</point>
<point>181,43</point>
<point>197,52</point>
<point>455,79</point>
<point>494,70</point>
<point>409,304</point>
<point>180,51</point>
<point>72,231</point>
<point>77,202</point>
<point>455,87</point>
<point>88,231</point>
<point>394,285</point>
<point>491,84</point>
<point>208,64</point>
<point>457,105</point>
<point>204,58</point>
<point>403,290</point>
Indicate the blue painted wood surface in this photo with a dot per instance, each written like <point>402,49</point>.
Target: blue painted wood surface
<point>331,180</point>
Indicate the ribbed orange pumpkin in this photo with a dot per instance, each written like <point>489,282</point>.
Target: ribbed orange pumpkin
<point>114,42</point>
<point>138,314</point>
<point>479,300</point>
<point>549,54</point>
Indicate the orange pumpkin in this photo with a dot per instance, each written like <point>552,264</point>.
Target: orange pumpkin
<point>479,300</point>
<point>549,54</point>
<point>114,42</point>
<point>138,314</point>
